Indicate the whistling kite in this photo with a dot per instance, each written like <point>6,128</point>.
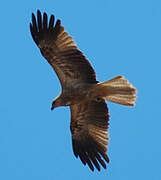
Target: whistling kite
<point>80,90</point>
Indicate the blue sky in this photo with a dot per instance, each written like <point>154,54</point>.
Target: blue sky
<point>119,38</point>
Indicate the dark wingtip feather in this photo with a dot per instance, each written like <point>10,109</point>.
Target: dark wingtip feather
<point>58,22</point>
<point>31,29</point>
<point>89,155</point>
<point>39,20</point>
<point>34,20</point>
<point>34,28</point>
<point>75,149</point>
<point>90,165</point>
<point>38,13</point>
<point>42,30</point>
<point>106,158</point>
<point>95,163</point>
<point>100,160</point>
<point>45,21</point>
<point>102,152</point>
<point>34,24</point>
<point>33,33</point>
<point>51,22</point>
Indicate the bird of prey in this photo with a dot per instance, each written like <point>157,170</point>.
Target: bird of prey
<point>80,90</point>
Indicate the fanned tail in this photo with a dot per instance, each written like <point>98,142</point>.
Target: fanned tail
<point>117,90</point>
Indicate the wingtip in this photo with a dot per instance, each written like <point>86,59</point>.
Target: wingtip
<point>31,27</point>
<point>38,12</point>
<point>32,15</point>
<point>106,158</point>
<point>45,14</point>
<point>58,22</point>
<point>33,18</point>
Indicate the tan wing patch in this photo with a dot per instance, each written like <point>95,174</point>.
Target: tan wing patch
<point>100,135</point>
<point>64,41</point>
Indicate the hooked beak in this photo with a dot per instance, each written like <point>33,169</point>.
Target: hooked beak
<point>52,108</point>
<point>53,105</point>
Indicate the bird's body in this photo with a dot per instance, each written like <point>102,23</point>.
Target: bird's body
<point>74,93</point>
<point>80,90</point>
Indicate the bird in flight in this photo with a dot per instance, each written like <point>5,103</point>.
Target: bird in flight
<point>80,90</point>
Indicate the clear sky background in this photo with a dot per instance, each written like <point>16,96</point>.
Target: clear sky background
<point>119,38</point>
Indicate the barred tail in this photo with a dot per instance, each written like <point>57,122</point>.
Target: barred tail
<point>117,90</point>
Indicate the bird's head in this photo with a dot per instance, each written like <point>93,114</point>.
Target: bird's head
<point>57,102</point>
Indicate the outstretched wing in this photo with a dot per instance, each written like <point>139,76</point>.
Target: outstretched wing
<point>89,124</point>
<point>60,50</point>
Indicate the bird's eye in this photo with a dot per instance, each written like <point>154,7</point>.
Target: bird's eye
<point>98,99</point>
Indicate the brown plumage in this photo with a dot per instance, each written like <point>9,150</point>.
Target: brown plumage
<point>80,90</point>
